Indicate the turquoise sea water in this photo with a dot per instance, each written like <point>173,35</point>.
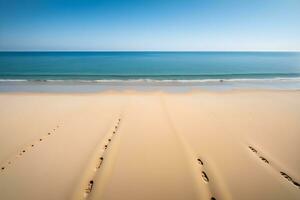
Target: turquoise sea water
<point>150,67</point>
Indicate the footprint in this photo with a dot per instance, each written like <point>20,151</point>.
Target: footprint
<point>204,176</point>
<point>200,161</point>
<point>90,187</point>
<point>109,140</point>
<point>263,159</point>
<point>2,168</point>
<point>105,147</point>
<point>49,133</point>
<point>100,163</point>
<point>213,198</point>
<point>297,184</point>
<point>254,150</point>
<point>286,176</point>
<point>290,179</point>
<point>41,139</point>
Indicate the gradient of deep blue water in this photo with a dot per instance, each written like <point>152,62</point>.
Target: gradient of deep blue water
<point>148,65</point>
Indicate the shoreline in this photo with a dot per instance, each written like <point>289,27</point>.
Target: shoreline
<point>129,91</point>
<point>172,87</point>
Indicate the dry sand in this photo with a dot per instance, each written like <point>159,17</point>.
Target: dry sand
<point>150,146</point>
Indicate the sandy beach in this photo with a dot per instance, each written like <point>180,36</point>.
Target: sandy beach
<point>131,145</point>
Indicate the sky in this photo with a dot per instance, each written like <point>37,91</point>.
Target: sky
<point>149,25</point>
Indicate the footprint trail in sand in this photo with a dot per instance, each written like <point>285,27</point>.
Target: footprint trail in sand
<point>100,160</point>
<point>27,148</point>
<point>283,174</point>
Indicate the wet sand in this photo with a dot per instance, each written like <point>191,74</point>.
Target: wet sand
<point>150,145</point>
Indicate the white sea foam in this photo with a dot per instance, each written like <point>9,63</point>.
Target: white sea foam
<point>148,80</point>
<point>13,80</point>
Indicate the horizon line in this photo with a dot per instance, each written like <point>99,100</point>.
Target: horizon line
<point>20,51</point>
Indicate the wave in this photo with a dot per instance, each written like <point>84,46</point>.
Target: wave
<point>149,80</point>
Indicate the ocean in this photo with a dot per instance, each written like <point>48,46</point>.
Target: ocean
<point>280,69</point>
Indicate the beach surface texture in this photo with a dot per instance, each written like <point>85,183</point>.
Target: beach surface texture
<point>150,145</point>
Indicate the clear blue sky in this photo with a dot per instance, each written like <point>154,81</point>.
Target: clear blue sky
<point>150,25</point>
